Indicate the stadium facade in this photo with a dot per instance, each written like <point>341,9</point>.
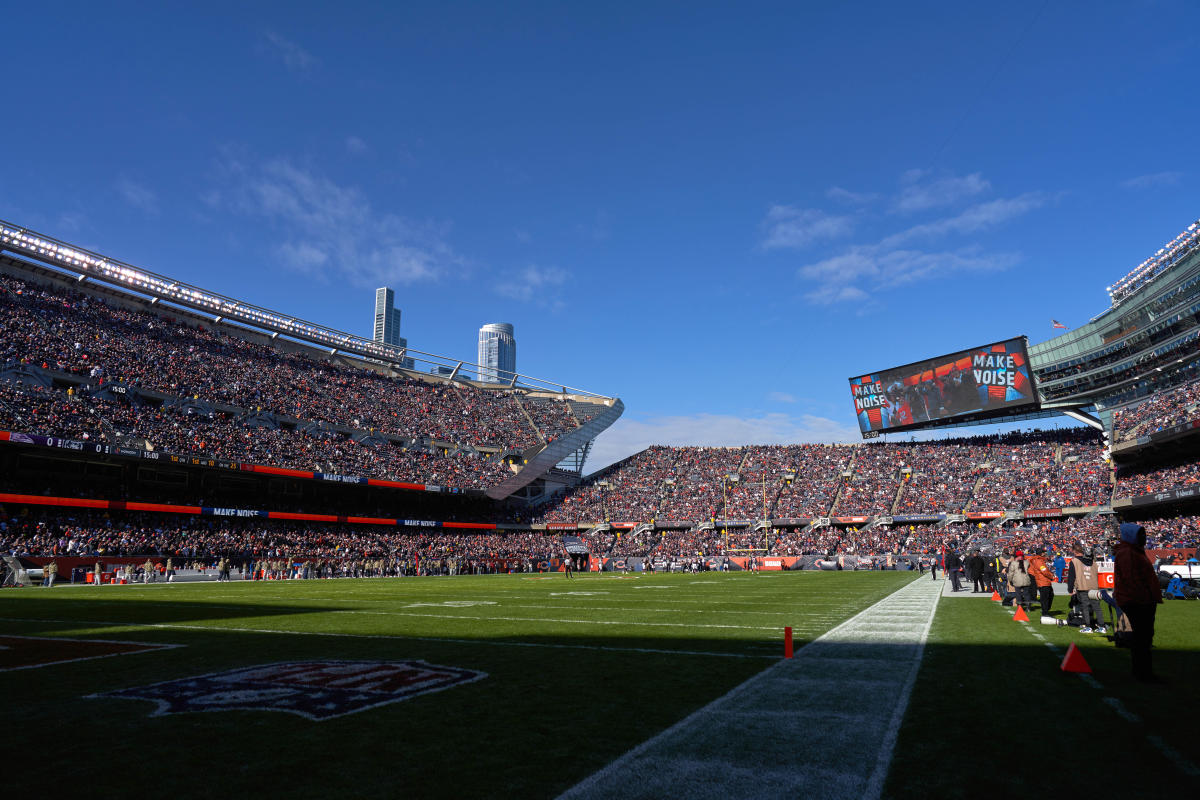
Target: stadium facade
<point>531,462</point>
<point>1147,341</point>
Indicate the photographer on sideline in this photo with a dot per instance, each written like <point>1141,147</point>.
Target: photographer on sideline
<point>1082,579</point>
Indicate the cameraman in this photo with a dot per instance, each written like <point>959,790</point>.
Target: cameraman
<point>1138,594</point>
<point>1082,581</point>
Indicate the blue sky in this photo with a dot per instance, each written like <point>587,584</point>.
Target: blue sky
<point>717,212</point>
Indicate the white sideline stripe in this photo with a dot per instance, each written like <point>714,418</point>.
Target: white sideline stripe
<point>146,648</point>
<point>433,639</point>
<point>264,611</point>
<point>1180,761</point>
<point>670,756</point>
<point>567,621</point>
<point>1119,707</point>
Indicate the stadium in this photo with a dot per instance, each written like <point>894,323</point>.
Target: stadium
<point>159,435</point>
<point>799,489</point>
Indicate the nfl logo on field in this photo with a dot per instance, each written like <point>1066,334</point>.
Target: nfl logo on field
<point>316,690</point>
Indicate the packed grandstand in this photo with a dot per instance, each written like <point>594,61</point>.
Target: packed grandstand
<point>131,427</point>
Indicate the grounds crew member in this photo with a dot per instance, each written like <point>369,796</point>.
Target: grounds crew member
<point>1043,578</point>
<point>50,572</point>
<point>1082,578</point>
<point>1137,592</point>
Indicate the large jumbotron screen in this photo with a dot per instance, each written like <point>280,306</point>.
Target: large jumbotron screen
<point>983,382</point>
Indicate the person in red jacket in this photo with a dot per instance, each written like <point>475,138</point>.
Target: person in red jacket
<point>1043,578</point>
<point>1136,591</point>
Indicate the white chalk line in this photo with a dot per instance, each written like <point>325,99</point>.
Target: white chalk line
<point>394,637</point>
<point>1171,754</point>
<point>147,647</point>
<point>600,779</point>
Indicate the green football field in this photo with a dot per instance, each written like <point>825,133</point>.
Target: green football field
<point>530,684</point>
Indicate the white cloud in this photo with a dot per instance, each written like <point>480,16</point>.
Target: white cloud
<point>355,146</point>
<point>137,195</point>
<point>976,218</point>
<point>293,56</point>
<point>331,230</point>
<point>1153,180</point>
<point>533,283</point>
<point>887,268</point>
<point>859,270</point>
<point>628,436</point>
<point>918,196</point>
<point>830,293</point>
<point>851,198</point>
<point>796,228</point>
<point>781,397</point>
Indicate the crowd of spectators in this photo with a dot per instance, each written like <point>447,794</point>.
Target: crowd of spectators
<point>1036,469</point>
<point>48,412</point>
<point>84,335</point>
<point>1043,470</point>
<point>1157,412</point>
<point>203,540</point>
<point>1139,480</point>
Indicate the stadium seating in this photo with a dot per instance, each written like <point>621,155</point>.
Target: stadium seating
<point>1157,412</point>
<point>80,334</point>
<point>203,540</point>
<point>31,409</point>
<point>995,473</point>
<point>1140,480</point>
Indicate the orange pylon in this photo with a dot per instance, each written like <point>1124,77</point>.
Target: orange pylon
<point>1074,661</point>
<point>1020,616</point>
<point>996,596</point>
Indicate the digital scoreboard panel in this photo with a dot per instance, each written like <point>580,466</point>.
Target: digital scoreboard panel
<point>980,383</point>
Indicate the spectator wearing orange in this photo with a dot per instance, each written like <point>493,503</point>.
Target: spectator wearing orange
<point>1043,577</point>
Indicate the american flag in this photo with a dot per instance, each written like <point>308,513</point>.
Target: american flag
<point>1055,323</point>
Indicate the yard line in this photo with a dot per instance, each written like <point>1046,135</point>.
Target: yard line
<point>394,637</point>
<point>566,621</point>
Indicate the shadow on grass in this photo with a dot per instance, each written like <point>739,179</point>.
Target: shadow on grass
<point>989,708</point>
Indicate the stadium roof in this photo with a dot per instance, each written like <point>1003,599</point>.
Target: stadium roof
<point>88,264</point>
<point>1167,256</point>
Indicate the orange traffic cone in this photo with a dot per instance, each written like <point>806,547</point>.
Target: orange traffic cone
<point>1020,616</point>
<point>1074,661</point>
<point>996,596</point>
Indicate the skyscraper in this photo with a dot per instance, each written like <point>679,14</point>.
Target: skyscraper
<point>387,321</point>
<point>497,352</point>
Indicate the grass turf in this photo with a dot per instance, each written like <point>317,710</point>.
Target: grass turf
<point>992,711</point>
<point>578,672</point>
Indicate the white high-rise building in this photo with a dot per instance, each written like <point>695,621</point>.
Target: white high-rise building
<point>497,352</point>
<point>387,321</point>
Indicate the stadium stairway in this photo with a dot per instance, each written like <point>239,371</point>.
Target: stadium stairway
<point>553,453</point>
<point>529,417</point>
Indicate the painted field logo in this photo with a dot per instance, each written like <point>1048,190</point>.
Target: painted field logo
<point>316,690</point>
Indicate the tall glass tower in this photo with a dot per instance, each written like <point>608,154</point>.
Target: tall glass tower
<point>387,321</point>
<point>497,352</point>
